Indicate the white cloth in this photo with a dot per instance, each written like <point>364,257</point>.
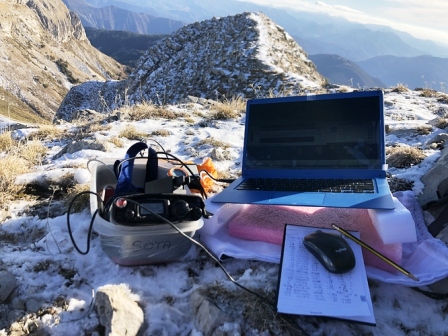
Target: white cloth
<point>427,258</point>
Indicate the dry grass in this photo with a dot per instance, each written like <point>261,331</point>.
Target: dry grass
<point>32,150</point>
<point>6,141</point>
<point>147,110</point>
<point>131,133</point>
<point>429,93</point>
<point>441,123</point>
<point>228,109</point>
<point>47,132</point>
<point>161,132</point>
<point>117,142</point>
<point>400,88</point>
<point>404,156</point>
<point>79,203</point>
<point>213,142</point>
<point>12,107</point>
<point>19,157</point>
<point>424,130</point>
<point>443,98</point>
<point>398,184</point>
<point>189,120</point>
<point>11,167</point>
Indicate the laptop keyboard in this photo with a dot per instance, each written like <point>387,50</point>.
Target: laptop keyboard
<point>309,185</point>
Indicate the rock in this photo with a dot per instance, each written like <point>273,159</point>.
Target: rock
<point>438,139</point>
<point>209,317</point>
<point>117,311</point>
<point>79,145</point>
<point>33,304</point>
<point>433,177</point>
<point>7,284</point>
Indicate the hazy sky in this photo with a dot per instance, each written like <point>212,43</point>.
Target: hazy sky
<point>427,19</point>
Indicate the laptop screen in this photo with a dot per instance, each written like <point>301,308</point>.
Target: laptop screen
<point>339,133</point>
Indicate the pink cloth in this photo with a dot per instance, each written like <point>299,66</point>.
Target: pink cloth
<point>266,223</point>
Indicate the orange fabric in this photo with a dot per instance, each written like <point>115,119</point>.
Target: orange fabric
<point>206,181</point>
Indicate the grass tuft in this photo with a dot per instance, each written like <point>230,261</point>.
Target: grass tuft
<point>400,88</point>
<point>145,110</point>
<point>228,109</point>
<point>404,156</point>
<point>131,133</point>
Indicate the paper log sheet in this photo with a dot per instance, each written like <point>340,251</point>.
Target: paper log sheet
<point>307,288</point>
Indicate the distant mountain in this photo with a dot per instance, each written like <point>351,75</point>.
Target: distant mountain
<point>125,47</point>
<point>422,71</point>
<point>358,44</point>
<point>339,70</point>
<point>316,33</point>
<point>428,46</point>
<point>116,18</point>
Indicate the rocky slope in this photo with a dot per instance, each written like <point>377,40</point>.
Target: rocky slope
<point>246,55</point>
<point>44,51</point>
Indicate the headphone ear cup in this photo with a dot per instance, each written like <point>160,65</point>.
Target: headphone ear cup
<point>124,180</point>
<point>152,166</point>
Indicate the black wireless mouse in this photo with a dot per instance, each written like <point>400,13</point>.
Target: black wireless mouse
<point>332,251</point>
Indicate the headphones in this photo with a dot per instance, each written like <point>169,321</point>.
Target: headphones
<point>123,169</point>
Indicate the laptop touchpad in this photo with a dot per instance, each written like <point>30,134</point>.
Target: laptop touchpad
<point>297,199</point>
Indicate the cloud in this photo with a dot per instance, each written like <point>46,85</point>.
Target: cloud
<point>337,8</point>
<point>423,19</point>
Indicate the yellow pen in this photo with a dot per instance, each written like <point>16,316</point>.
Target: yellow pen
<point>379,255</point>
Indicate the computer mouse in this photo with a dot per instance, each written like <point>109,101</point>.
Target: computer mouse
<point>331,250</point>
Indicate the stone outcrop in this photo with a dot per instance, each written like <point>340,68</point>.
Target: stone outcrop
<point>44,52</point>
<point>246,55</point>
<point>117,311</point>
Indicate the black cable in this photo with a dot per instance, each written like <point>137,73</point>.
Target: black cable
<point>194,241</point>
<point>89,233</point>
<point>215,179</point>
<point>173,157</point>
<point>183,164</point>
<point>163,149</point>
<point>432,295</point>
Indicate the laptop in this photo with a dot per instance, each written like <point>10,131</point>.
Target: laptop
<point>323,150</point>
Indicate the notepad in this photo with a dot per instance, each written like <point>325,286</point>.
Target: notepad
<point>305,287</point>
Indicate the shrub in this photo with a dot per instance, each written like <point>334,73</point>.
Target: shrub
<point>46,132</point>
<point>400,88</point>
<point>117,142</point>
<point>404,156</point>
<point>6,141</point>
<point>147,110</point>
<point>441,123</point>
<point>63,67</point>
<point>161,132</point>
<point>228,109</point>
<point>33,151</point>
<point>213,142</point>
<point>131,133</point>
<point>424,130</point>
<point>428,93</point>
<point>79,203</point>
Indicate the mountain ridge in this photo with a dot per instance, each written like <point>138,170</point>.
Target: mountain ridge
<point>295,21</point>
<point>339,70</point>
<point>44,52</point>
<point>259,59</point>
<point>117,18</point>
<point>416,72</point>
